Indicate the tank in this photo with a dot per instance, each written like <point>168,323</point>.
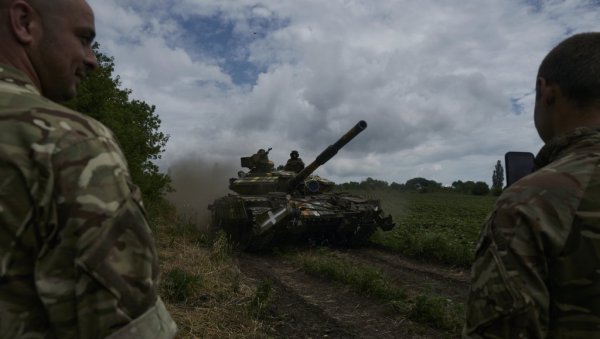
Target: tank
<point>271,207</point>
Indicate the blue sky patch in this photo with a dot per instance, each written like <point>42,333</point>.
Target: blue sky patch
<point>517,105</point>
<point>228,42</point>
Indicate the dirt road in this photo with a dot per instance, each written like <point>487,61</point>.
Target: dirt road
<point>305,306</point>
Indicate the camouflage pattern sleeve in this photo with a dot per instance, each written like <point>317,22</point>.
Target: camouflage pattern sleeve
<point>101,229</point>
<point>509,297</point>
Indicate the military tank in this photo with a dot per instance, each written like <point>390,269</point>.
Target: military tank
<point>275,207</point>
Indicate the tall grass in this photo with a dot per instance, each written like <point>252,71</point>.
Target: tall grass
<point>202,285</point>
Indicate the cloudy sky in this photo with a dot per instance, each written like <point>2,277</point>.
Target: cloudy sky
<point>446,86</point>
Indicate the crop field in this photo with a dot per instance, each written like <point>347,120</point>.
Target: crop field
<point>441,227</point>
<point>411,282</point>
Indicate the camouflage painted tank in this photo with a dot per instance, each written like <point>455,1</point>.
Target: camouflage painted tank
<point>272,207</point>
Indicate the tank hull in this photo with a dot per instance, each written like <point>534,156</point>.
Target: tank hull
<point>263,221</point>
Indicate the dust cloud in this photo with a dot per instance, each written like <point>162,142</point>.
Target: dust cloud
<point>197,184</point>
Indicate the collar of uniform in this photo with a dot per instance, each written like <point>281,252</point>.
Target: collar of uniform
<point>580,137</point>
<point>12,75</point>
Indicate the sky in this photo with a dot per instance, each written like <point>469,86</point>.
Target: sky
<point>446,87</point>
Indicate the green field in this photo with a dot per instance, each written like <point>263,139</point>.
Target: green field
<point>441,227</point>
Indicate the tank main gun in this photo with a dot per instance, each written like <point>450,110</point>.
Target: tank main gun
<point>326,155</point>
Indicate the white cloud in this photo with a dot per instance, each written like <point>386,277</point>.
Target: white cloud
<point>434,79</point>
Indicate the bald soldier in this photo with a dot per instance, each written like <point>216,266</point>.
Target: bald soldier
<point>77,258</point>
<point>537,268</point>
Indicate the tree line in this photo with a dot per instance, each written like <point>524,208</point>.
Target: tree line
<point>423,185</point>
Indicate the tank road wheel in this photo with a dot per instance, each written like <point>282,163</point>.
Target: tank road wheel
<point>352,233</point>
<point>362,234</point>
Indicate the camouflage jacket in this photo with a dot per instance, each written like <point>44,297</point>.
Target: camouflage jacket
<point>537,268</point>
<point>294,165</point>
<point>77,258</point>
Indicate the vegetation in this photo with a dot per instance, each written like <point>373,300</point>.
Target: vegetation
<point>178,285</point>
<point>471,187</point>
<point>437,312</point>
<point>498,178</point>
<point>261,299</point>
<point>366,280</point>
<point>134,123</point>
<point>442,227</point>
<point>203,288</point>
<point>420,185</point>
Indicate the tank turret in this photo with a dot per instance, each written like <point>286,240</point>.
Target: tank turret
<point>264,182</point>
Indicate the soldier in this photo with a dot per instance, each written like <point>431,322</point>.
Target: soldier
<point>536,272</point>
<point>294,164</point>
<point>260,162</point>
<point>77,258</point>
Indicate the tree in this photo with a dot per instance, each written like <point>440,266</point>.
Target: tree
<point>498,179</point>
<point>422,185</point>
<point>498,176</point>
<point>373,184</point>
<point>133,122</point>
<point>480,188</point>
<point>396,186</point>
<point>471,187</point>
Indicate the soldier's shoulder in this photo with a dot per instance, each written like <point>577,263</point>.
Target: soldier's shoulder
<point>555,190</point>
<point>565,176</point>
<point>31,113</point>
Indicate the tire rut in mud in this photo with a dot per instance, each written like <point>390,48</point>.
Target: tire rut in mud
<point>303,306</point>
<point>416,276</point>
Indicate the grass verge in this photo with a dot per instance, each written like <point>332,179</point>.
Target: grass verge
<point>440,313</point>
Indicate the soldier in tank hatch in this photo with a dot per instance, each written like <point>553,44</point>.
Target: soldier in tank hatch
<point>260,163</point>
<point>294,164</point>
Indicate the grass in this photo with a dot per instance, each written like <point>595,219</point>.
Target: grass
<point>440,313</point>
<point>431,309</point>
<point>178,285</point>
<point>202,285</point>
<point>261,299</point>
<point>365,280</point>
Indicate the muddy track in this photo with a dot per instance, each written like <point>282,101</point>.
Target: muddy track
<point>416,276</point>
<point>305,306</point>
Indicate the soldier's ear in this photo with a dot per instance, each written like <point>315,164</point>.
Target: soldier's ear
<point>547,92</point>
<point>25,21</point>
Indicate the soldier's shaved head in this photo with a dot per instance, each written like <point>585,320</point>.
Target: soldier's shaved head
<point>574,65</point>
<point>50,41</point>
<point>568,87</point>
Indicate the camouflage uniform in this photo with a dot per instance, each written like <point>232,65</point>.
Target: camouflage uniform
<point>294,165</point>
<point>77,258</point>
<point>260,162</point>
<point>537,267</point>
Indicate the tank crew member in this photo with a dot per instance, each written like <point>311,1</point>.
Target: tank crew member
<point>294,164</point>
<point>260,162</point>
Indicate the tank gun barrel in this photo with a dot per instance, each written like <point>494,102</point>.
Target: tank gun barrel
<point>327,154</point>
